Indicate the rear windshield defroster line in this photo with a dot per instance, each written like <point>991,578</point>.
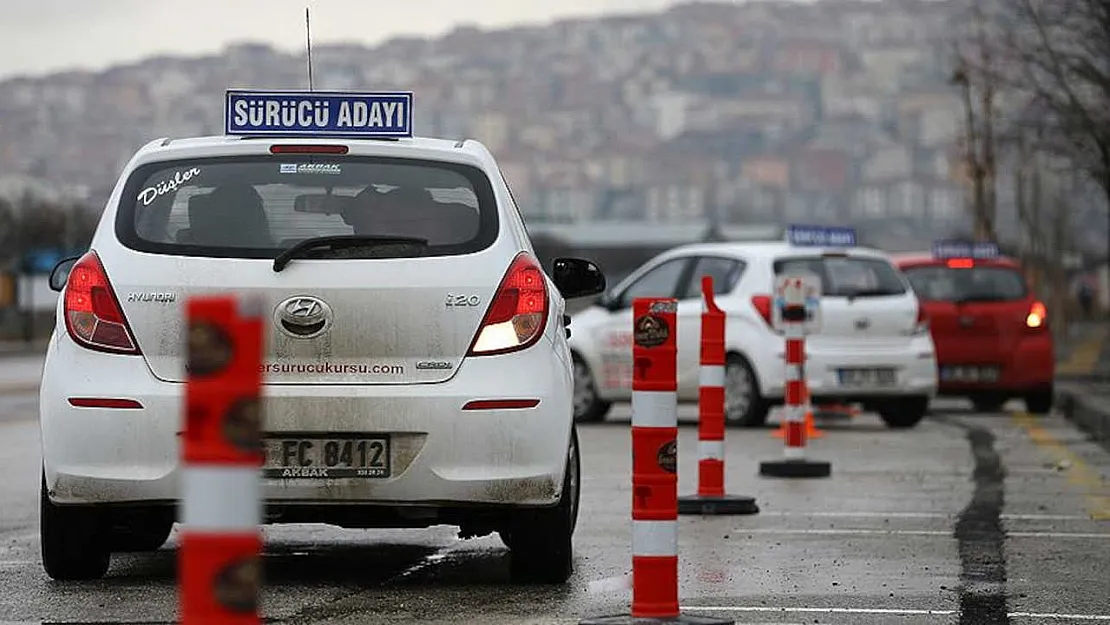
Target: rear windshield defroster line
<point>256,206</point>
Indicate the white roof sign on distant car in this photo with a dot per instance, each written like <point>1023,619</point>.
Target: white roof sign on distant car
<point>821,236</point>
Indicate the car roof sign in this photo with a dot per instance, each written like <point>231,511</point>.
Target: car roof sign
<point>368,115</point>
<point>964,249</point>
<point>821,236</point>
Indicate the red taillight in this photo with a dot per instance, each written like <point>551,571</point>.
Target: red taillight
<point>517,315</point>
<point>762,305</point>
<point>961,263</point>
<point>93,316</point>
<point>308,149</point>
<point>1037,317</point>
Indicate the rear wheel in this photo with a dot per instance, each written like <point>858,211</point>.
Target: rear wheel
<point>744,405</point>
<point>588,405</point>
<point>72,540</point>
<point>901,414</point>
<point>1039,403</point>
<point>541,540</point>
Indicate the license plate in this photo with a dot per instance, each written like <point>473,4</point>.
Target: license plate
<point>327,457</point>
<point>867,377</point>
<point>968,373</point>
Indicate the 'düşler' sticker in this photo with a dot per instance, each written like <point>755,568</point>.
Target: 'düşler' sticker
<point>173,183</point>
<point>650,331</point>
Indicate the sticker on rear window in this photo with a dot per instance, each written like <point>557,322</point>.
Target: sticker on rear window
<point>173,183</point>
<point>310,168</point>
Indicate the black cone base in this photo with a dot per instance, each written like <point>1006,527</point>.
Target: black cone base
<point>682,619</point>
<point>728,504</point>
<point>795,468</point>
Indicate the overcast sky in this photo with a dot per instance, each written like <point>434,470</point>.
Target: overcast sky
<point>38,36</point>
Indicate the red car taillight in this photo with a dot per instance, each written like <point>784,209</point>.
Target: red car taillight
<point>93,316</point>
<point>517,315</point>
<point>1037,319</point>
<point>762,305</point>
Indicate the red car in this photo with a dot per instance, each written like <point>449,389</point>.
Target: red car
<point>991,333</point>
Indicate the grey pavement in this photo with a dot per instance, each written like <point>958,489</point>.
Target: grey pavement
<point>20,374</point>
<point>968,519</point>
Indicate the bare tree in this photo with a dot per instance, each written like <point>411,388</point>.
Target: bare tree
<point>974,73</point>
<point>1058,57</point>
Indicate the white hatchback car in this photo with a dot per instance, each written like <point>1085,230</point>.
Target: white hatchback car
<point>409,313</point>
<point>873,346</point>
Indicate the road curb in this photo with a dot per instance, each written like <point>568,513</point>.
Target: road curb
<point>1087,412</point>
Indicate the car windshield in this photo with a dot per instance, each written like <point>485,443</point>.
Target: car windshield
<point>847,276</point>
<point>940,283</point>
<point>257,206</point>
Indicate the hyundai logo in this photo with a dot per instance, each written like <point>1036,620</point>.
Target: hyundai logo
<point>863,324</point>
<point>303,316</point>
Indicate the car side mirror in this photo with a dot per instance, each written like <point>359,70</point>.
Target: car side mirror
<point>577,277</point>
<point>60,274</point>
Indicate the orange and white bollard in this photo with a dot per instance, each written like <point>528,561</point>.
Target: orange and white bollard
<point>219,564</point>
<point>711,497</point>
<point>654,470</point>
<point>794,462</point>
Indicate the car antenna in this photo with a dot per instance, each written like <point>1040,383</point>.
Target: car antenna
<point>308,45</point>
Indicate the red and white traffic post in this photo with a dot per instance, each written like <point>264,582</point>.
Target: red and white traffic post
<point>711,497</point>
<point>795,307</point>
<point>219,564</point>
<point>655,469</point>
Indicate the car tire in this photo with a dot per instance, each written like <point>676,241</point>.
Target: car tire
<point>72,540</point>
<point>903,414</point>
<point>541,540</point>
<point>1039,403</point>
<point>144,535</point>
<point>588,405</point>
<point>988,403</point>
<point>740,378</point>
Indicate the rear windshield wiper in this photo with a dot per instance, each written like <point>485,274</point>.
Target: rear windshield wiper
<point>967,299</point>
<point>851,295</point>
<point>335,242</point>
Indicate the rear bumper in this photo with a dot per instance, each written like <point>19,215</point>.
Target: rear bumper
<point>913,360</point>
<point>1028,364</point>
<point>442,455</point>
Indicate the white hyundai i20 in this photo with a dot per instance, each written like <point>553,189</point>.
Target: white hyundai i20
<point>872,346</point>
<point>407,317</point>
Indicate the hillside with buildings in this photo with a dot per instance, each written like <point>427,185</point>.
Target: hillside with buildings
<point>838,111</point>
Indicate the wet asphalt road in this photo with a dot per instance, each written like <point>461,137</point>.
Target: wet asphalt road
<point>968,519</point>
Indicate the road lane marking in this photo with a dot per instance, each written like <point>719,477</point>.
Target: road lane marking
<point>887,611</point>
<point>1078,472</point>
<point>919,515</point>
<point>882,532</point>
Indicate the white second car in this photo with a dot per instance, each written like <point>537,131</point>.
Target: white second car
<point>873,346</point>
<point>416,360</point>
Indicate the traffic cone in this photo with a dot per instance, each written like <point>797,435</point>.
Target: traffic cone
<point>810,425</point>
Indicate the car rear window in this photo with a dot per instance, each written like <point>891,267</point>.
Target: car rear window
<point>940,283</point>
<point>847,276</point>
<point>256,206</point>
